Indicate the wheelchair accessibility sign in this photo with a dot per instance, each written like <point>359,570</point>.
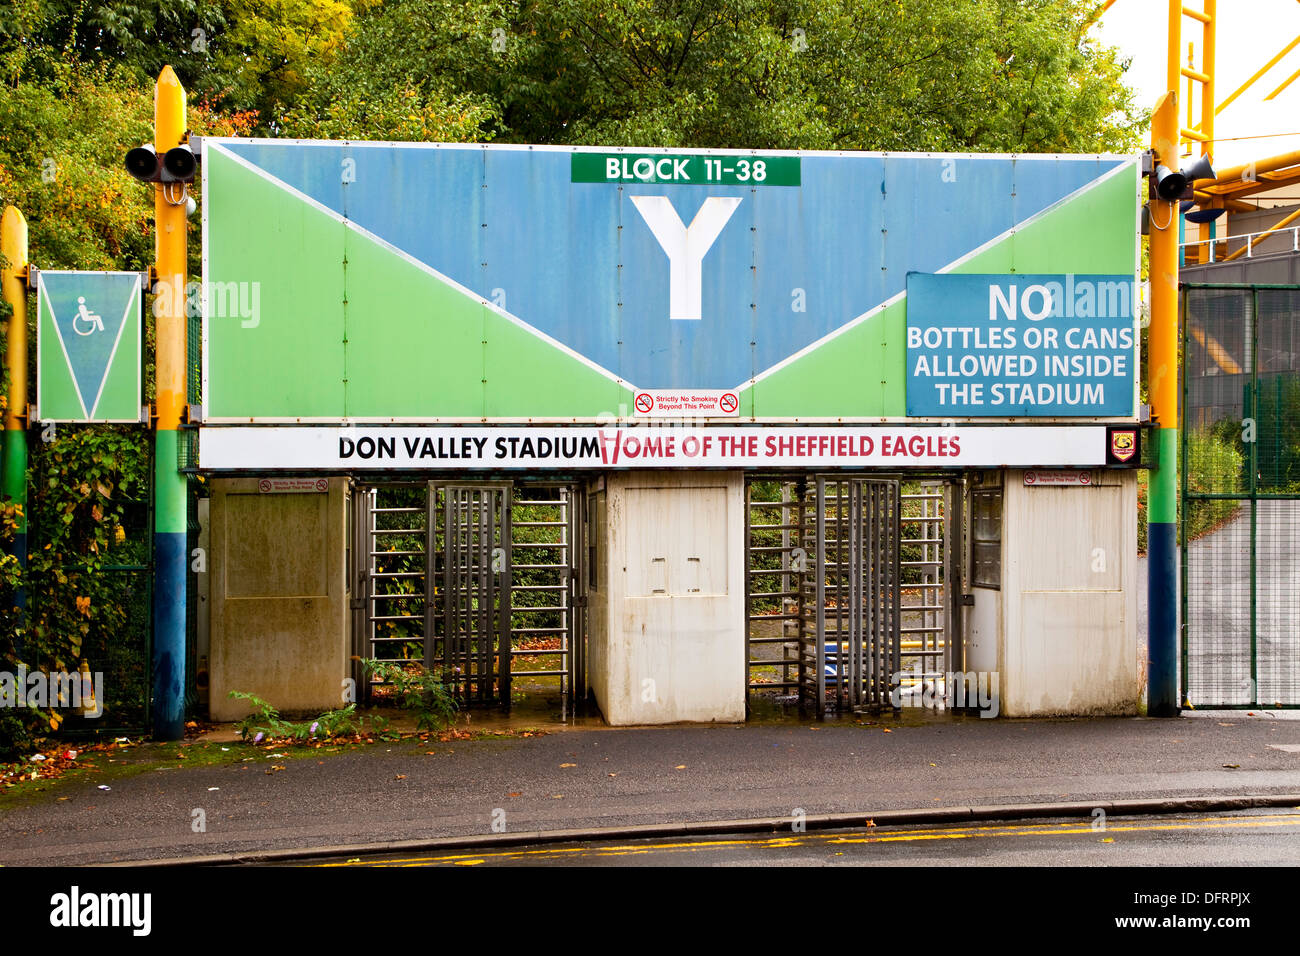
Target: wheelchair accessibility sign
<point>88,346</point>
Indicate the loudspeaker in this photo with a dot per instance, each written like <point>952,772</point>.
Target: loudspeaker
<point>1201,169</point>
<point>142,163</point>
<point>179,165</point>
<point>1169,184</point>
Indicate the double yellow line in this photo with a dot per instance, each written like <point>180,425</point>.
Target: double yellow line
<point>829,839</point>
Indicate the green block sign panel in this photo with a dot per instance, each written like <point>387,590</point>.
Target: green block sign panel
<point>465,283</point>
<point>88,335</point>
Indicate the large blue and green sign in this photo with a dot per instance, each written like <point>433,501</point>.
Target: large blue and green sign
<point>88,346</point>
<point>389,282</point>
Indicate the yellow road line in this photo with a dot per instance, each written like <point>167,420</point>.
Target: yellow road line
<point>837,839</point>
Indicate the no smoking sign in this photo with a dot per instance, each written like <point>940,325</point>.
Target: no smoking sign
<point>686,403</point>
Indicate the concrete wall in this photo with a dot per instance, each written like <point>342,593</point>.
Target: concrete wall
<point>667,621</point>
<point>279,610</point>
<point>1069,597</point>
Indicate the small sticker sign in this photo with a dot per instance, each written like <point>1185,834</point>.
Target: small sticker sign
<point>280,486</point>
<point>687,403</point>
<point>88,334</point>
<point>1036,479</point>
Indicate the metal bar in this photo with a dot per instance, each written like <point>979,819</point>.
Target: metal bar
<point>1254,500</point>
<point>819,675</point>
<point>505,645</point>
<point>1258,73</point>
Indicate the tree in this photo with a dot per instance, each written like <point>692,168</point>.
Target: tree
<point>967,75</point>
<point>240,54</point>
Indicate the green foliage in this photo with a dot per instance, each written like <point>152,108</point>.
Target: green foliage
<point>20,728</point>
<point>263,720</point>
<point>1277,433</point>
<point>980,75</point>
<point>265,725</point>
<point>240,54</point>
<point>419,689</point>
<point>1215,465</point>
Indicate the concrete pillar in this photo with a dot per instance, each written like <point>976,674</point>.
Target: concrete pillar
<point>667,604</point>
<point>279,610</point>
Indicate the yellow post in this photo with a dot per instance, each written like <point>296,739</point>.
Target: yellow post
<point>13,285</point>
<point>1207,229</point>
<point>170,556</point>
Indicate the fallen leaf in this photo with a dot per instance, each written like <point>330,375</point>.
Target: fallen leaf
<point>1232,766</point>
<point>517,793</point>
<point>401,776</point>
<point>934,765</point>
<point>563,765</point>
<point>613,774</point>
<point>1108,840</point>
<point>276,768</point>
<point>886,730</point>
<point>680,766</point>
<point>871,823</point>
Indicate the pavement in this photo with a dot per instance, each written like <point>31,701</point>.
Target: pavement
<point>588,777</point>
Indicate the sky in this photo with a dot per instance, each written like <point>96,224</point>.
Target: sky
<point>1249,33</point>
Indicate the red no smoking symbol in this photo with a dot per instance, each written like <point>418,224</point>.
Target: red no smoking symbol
<point>644,403</point>
<point>728,402</point>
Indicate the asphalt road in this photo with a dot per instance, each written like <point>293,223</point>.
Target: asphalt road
<point>1247,838</point>
<point>625,777</point>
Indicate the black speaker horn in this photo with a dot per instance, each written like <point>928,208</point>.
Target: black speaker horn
<point>1201,169</point>
<point>142,163</point>
<point>1169,184</point>
<point>179,164</point>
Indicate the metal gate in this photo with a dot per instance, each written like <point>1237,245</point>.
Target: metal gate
<point>391,568</point>
<point>821,555</point>
<point>548,593</point>
<point>474,645</point>
<point>446,576</point>
<point>1240,520</point>
<point>849,635</point>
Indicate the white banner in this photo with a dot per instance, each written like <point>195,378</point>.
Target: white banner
<point>370,448</point>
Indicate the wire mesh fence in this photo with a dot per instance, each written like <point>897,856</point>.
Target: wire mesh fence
<point>1240,520</point>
